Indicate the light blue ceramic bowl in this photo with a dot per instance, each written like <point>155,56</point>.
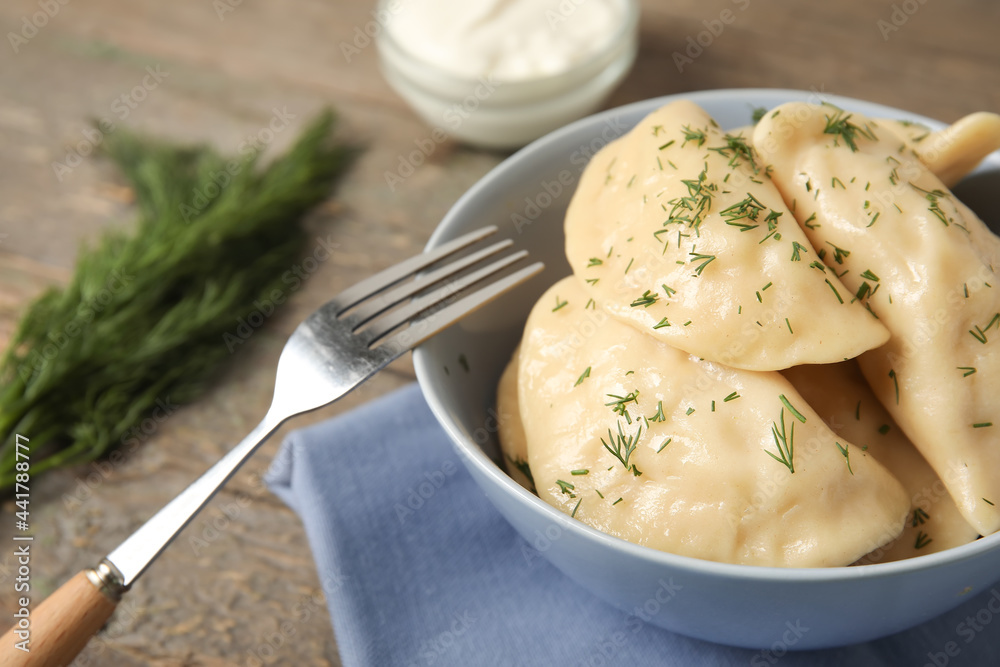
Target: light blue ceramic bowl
<point>526,197</point>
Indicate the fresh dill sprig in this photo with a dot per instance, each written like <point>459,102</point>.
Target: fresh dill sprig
<point>621,446</point>
<point>192,272</point>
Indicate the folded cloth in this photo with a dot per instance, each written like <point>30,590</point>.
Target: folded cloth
<point>419,568</point>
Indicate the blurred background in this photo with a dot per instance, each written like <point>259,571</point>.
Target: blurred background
<point>240,587</point>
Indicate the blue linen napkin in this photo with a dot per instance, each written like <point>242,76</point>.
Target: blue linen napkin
<point>419,568</point>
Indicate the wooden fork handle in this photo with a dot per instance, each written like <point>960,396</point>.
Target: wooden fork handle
<point>58,629</point>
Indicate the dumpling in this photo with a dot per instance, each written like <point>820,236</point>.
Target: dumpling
<point>652,445</point>
<point>510,429</point>
<point>676,229</point>
<point>925,265</point>
<point>840,395</point>
<point>953,152</point>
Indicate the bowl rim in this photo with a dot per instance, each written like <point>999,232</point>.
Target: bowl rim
<point>473,454</point>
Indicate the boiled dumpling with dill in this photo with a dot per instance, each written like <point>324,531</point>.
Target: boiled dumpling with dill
<point>652,445</point>
<point>925,265</point>
<point>676,229</point>
<point>954,151</point>
<point>840,395</point>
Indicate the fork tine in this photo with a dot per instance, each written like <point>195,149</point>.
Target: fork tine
<point>385,325</point>
<point>372,307</point>
<point>389,277</point>
<point>421,330</point>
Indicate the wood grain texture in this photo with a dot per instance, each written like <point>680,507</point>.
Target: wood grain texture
<point>245,590</point>
<point>59,627</point>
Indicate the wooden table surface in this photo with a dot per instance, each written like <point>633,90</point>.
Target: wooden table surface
<point>245,591</point>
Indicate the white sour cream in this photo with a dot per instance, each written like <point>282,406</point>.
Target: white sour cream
<point>507,40</point>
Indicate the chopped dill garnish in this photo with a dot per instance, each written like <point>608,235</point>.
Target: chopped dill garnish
<point>839,124</point>
<point>922,540</point>
<point>693,135</point>
<point>798,415</point>
<point>599,493</point>
<point>573,513</point>
<point>988,502</point>
<point>757,114</point>
<point>522,467</point>
<point>969,370</point>
<point>732,397</point>
<point>934,197</point>
<point>789,325</point>
<point>667,145</point>
<point>594,261</point>
<point>591,304</point>
<point>566,488</point>
<point>616,502</point>
<point>895,382</point>
<point>839,253</point>
<point>704,259</point>
<point>737,147</point>
<point>629,264</point>
<point>669,291</point>
<point>658,417</point>
<point>662,323</point>
<point>796,249</point>
<point>747,209</point>
<point>619,405</point>
<point>581,471</point>
<point>919,517</point>
<point>811,219</point>
<point>982,425</point>
<point>846,454</point>
<point>784,440</point>
<point>647,299</point>
<point>666,442</point>
<point>559,304</point>
<point>839,298</point>
<point>689,411</point>
<point>583,376</point>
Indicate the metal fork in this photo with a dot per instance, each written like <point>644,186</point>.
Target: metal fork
<point>334,350</point>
